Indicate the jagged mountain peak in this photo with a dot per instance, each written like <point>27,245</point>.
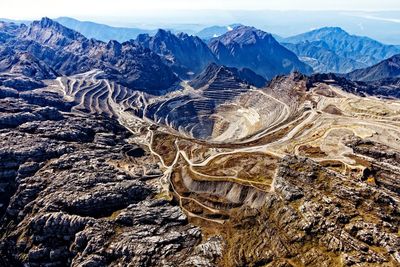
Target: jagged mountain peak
<point>244,35</point>
<point>163,33</point>
<point>182,35</point>
<point>49,32</point>
<point>45,22</point>
<point>331,30</point>
<point>186,54</point>
<point>248,47</point>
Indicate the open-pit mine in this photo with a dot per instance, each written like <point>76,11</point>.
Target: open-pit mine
<point>172,150</point>
<point>295,173</point>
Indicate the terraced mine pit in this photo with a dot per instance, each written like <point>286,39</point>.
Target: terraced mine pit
<point>232,160</point>
<point>109,158</point>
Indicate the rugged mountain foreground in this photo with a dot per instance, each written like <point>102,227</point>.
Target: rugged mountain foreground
<point>90,179</point>
<point>77,190</point>
<point>222,170</point>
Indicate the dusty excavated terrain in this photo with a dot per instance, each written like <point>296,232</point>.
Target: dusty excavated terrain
<point>292,174</point>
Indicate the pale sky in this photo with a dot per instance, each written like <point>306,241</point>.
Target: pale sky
<point>33,9</point>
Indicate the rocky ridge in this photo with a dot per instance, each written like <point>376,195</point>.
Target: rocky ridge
<point>384,70</point>
<point>67,52</point>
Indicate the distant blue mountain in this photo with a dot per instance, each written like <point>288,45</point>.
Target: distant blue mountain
<point>386,69</point>
<point>101,31</point>
<point>215,31</point>
<point>26,22</point>
<point>331,49</point>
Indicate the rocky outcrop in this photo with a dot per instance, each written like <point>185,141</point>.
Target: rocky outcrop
<point>316,217</point>
<point>67,199</point>
<point>25,64</point>
<point>385,88</point>
<point>9,29</point>
<point>19,82</point>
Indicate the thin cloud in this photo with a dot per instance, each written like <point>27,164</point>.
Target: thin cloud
<point>373,17</point>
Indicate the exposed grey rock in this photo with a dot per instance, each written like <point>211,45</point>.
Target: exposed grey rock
<point>66,200</point>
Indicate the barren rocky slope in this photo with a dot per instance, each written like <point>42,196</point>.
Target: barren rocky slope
<point>313,184</point>
<point>217,172</point>
<point>77,192</point>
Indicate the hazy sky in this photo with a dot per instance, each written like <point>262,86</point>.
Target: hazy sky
<point>32,9</point>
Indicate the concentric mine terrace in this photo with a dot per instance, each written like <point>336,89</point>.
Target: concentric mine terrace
<point>302,175</point>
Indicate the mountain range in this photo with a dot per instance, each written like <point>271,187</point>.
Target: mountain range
<point>69,52</point>
<point>102,32</point>
<point>168,150</point>
<point>331,49</point>
<point>46,49</point>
